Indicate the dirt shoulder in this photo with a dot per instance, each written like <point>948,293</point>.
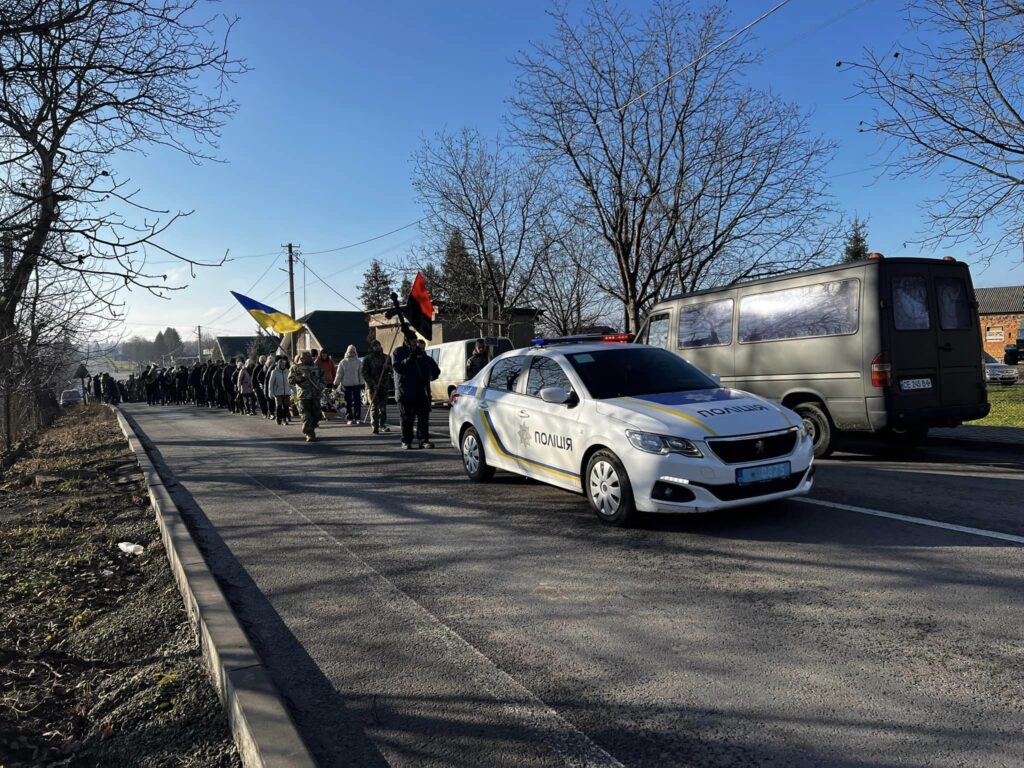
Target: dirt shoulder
<point>98,663</point>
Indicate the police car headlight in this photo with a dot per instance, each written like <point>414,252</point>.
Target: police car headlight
<point>650,443</point>
<point>685,447</point>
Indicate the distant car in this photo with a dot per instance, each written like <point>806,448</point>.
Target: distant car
<point>70,397</point>
<point>1011,352</point>
<point>999,373</point>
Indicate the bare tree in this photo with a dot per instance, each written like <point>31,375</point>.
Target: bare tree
<point>497,200</point>
<point>83,80</point>
<point>56,315</point>
<point>951,106</point>
<point>566,284</point>
<point>681,169</point>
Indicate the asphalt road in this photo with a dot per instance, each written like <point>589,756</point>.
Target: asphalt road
<point>413,619</point>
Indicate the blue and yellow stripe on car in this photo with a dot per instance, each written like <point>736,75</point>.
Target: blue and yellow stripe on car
<point>501,449</point>
<point>672,412</point>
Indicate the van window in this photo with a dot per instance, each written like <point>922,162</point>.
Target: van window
<point>656,331</point>
<point>545,373</point>
<point>822,309</point>
<point>505,374</point>
<point>910,304</point>
<point>954,306</point>
<point>705,325</point>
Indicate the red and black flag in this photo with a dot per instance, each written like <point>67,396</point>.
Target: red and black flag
<point>419,310</point>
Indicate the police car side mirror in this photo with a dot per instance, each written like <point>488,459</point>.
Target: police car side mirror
<point>555,395</point>
<point>717,379</point>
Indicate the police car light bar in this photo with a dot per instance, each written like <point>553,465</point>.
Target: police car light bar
<point>587,338</point>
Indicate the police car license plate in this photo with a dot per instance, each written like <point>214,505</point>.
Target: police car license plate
<point>908,384</point>
<point>763,473</point>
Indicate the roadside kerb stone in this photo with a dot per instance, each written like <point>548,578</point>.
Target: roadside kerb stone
<point>991,437</point>
<point>263,731</point>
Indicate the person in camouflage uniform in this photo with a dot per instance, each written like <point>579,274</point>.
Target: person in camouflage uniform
<point>310,382</point>
<point>377,374</point>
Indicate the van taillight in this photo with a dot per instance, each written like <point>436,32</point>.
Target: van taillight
<point>881,371</point>
<point>455,397</point>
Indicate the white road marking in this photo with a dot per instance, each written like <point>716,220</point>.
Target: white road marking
<point>915,520</point>
<point>572,744</point>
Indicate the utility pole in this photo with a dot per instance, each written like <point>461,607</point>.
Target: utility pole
<point>199,343</point>
<point>291,296</point>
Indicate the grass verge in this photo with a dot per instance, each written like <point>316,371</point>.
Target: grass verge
<point>1007,407</point>
<point>98,663</point>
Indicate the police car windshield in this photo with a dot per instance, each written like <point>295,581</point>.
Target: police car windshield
<point>636,371</point>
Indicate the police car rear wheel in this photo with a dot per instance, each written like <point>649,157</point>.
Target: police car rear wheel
<point>608,489</point>
<point>473,458</point>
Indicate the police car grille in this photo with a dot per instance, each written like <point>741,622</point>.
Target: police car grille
<point>737,492</point>
<point>754,448</point>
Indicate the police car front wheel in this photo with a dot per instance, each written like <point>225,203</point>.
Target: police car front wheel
<point>608,489</point>
<point>473,458</point>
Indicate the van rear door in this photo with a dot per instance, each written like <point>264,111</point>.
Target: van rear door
<point>933,346</point>
<point>913,338</point>
<point>960,351</point>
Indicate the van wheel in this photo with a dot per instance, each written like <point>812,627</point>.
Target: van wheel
<point>608,489</point>
<point>819,425</point>
<point>906,437</point>
<point>473,458</point>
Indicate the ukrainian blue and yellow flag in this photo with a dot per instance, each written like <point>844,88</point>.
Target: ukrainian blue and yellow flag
<point>268,317</point>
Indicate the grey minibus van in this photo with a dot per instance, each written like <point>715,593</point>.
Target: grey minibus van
<point>881,345</point>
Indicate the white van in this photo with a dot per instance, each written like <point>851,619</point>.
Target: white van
<point>452,357</point>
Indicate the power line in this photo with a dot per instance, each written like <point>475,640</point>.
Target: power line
<point>778,6</point>
<point>377,255</point>
<point>331,287</point>
<point>371,240</point>
<point>250,288</point>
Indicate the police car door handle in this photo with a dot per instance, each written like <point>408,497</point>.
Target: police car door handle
<point>524,414</point>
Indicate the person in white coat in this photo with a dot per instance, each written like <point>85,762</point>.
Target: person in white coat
<point>280,390</point>
<point>350,378</point>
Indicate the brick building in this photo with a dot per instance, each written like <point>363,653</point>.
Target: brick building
<point>1001,315</point>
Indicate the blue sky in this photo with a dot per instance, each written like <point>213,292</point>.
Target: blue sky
<point>341,94</point>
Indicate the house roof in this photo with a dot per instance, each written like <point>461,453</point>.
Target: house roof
<point>238,346</point>
<point>1007,300</point>
<point>334,330</point>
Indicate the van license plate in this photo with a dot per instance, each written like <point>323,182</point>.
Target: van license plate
<point>908,384</point>
<point>763,474</point>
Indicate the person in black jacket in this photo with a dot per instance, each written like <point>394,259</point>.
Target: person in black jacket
<point>414,370</point>
<point>195,384</point>
<point>477,360</point>
<point>228,388</point>
<point>211,384</point>
<point>259,384</point>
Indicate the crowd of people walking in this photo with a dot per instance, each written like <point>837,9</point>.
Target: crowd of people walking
<point>307,387</point>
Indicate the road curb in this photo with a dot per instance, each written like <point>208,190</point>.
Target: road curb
<point>963,442</point>
<point>262,729</point>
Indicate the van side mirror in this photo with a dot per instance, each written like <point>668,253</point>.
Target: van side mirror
<point>555,395</point>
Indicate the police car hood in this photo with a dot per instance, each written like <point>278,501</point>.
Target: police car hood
<point>699,413</point>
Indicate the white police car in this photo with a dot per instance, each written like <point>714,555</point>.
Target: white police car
<point>631,426</point>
